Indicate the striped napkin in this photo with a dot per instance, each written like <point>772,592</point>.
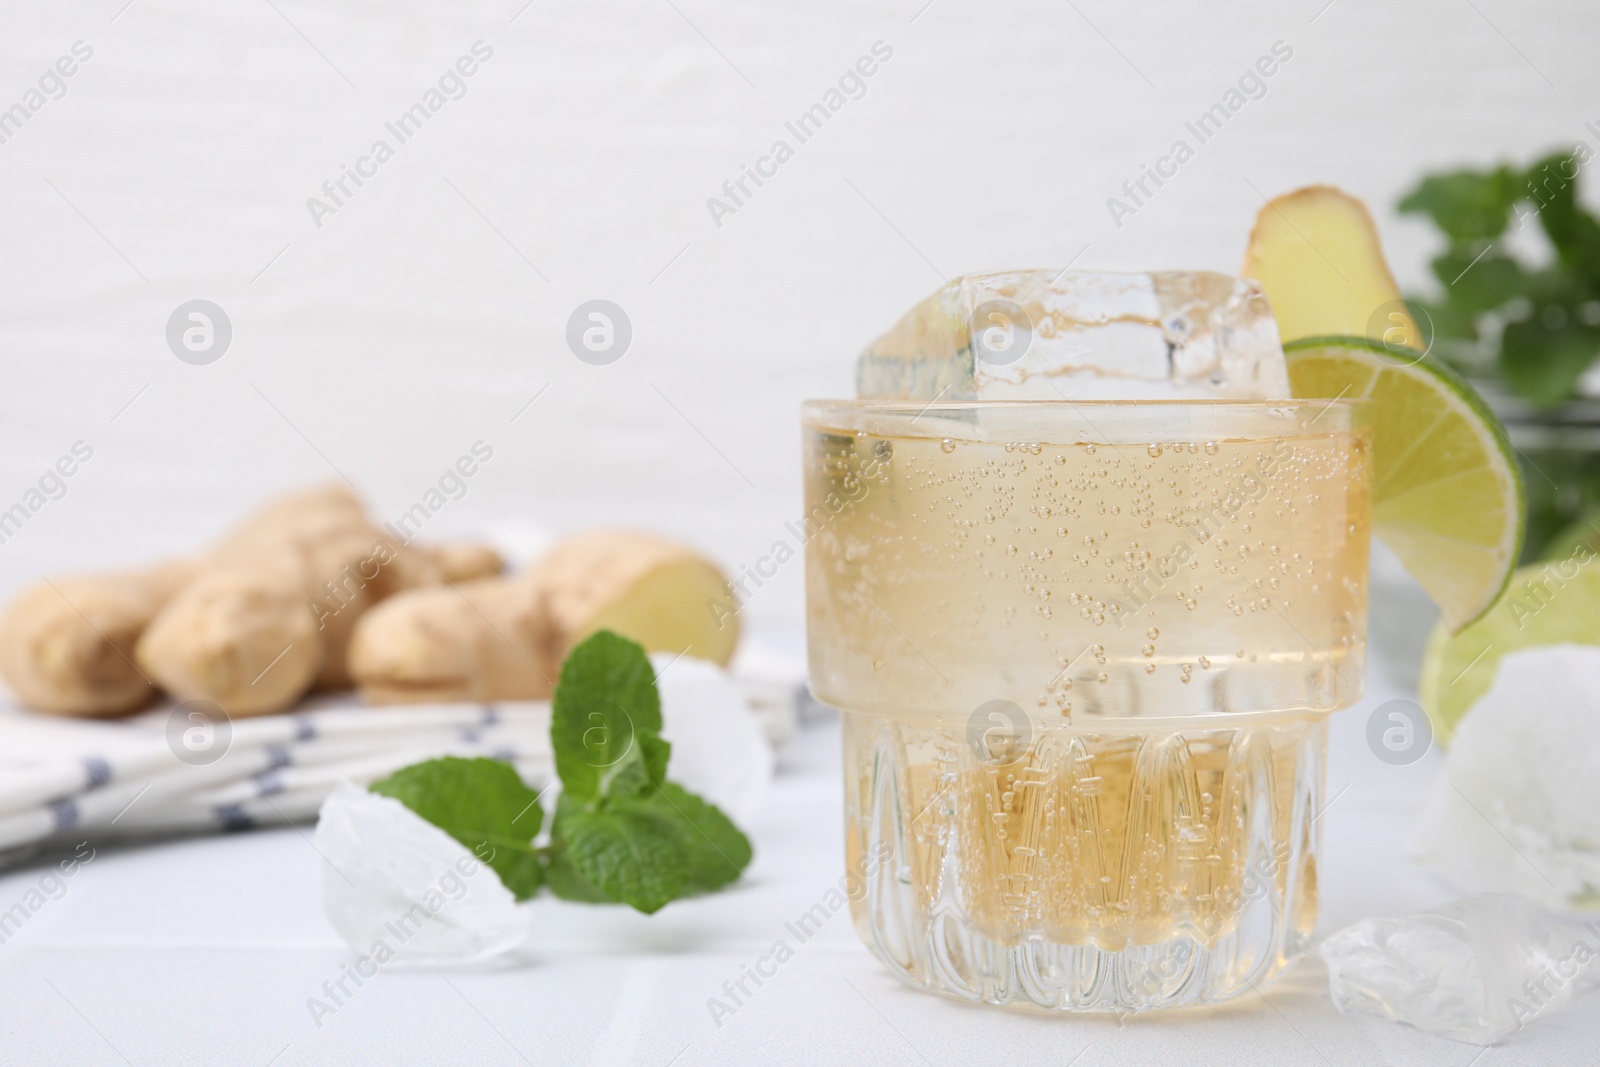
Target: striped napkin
<point>165,772</point>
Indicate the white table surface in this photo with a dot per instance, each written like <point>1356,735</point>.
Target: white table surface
<point>206,952</point>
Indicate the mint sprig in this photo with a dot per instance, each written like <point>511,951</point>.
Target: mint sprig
<point>622,833</point>
<point>1532,324</point>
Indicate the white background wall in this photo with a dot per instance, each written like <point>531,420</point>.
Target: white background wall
<point>411,324</point>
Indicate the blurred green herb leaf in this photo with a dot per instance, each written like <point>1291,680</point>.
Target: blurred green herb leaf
<point>1539,326</point>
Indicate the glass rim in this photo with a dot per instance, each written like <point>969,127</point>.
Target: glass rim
<point>895,407</point>
<point>1100,421</point>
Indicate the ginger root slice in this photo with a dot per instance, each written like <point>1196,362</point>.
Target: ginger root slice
<point>67,644</point>
<point>505,639</point>
<point>659,593</point>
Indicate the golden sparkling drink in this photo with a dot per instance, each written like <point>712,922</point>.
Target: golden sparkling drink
<point>1083,653</point>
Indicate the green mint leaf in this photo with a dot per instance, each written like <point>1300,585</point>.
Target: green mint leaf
<point>564,879</point>
<point>565,882</point>
<point>638,772</point>
<point>483,804</point>
<point>1543,356</point>
<point>715,852</point>
<point>1476,279</point>
<point>1551,186</point>
<point>1469,206</point>
<point>657,752</point>
<point>605,702</point>
<point>633,857</point>
<point>1551,339</point>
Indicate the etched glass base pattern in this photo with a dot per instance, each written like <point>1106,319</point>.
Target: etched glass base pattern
<point>1085,868</point>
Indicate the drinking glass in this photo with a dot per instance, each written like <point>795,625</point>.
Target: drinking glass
<point>1084,655</point>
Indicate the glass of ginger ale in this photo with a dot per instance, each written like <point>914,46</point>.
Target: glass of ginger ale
<point>1084,654</point>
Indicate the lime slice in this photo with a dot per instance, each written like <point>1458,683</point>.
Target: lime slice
<point>1446,492</point>
<point>1548,603</point>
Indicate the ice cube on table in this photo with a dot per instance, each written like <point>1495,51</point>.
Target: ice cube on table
<point>397,888</point>
<point>1475,970</point>
<point>1517,808</point>
<point>1048,335</point>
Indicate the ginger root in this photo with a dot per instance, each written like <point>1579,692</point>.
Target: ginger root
<point>67,644</point>
<point>505,639</point>
<point>277,615</point>
<point>477,641</point>
<point>240,637</point>
<point>465,561</point>
<point>251,625</point>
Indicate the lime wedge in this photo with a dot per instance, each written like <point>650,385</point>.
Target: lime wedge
<point>1446,491</point>
<point>1551,602</point>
